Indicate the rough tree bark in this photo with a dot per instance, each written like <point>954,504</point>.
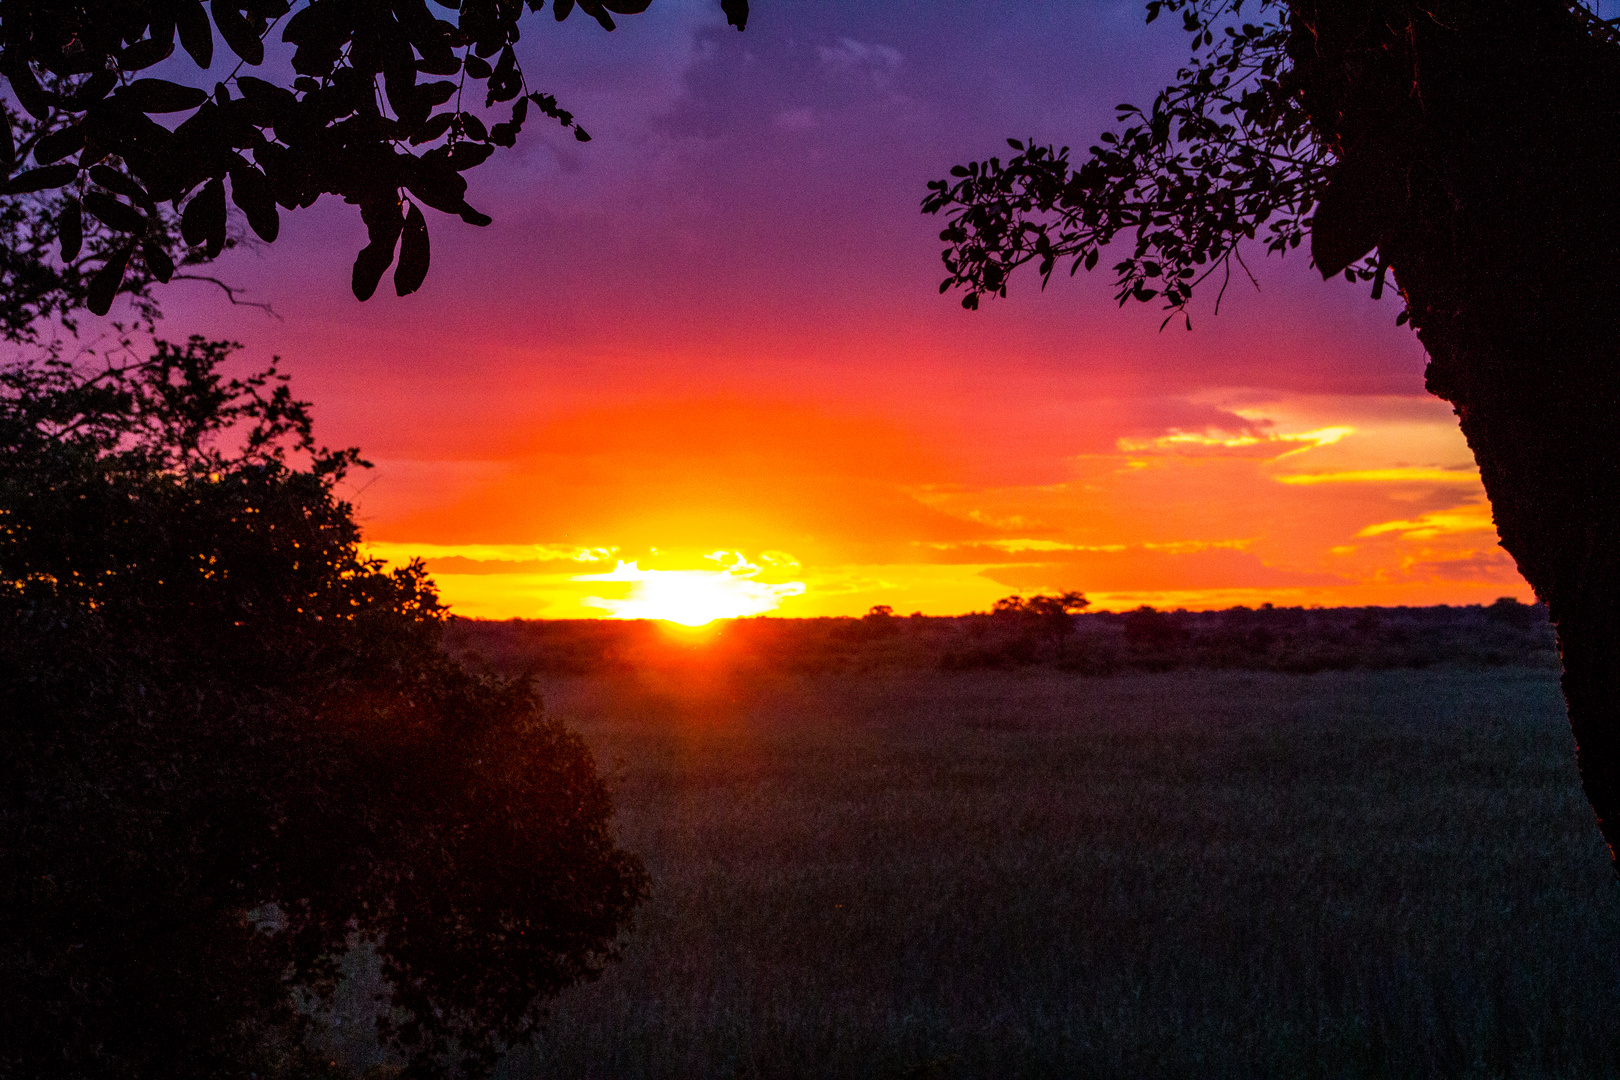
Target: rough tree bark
<point>1477,144</point>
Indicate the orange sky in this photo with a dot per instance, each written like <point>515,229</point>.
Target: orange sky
<point>709,346</point>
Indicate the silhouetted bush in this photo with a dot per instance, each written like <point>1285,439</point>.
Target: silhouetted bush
<point>233,748</point>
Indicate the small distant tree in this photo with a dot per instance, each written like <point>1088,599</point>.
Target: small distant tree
<point>232,748</point>
<point>1051,617</point>
<point>878,622</point>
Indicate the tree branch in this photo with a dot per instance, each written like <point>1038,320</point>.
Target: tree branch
<point>230,293</point>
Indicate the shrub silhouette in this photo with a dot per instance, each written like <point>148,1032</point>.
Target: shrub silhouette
<point>233,748</point>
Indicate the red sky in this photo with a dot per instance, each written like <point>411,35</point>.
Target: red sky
<point>710,341</point>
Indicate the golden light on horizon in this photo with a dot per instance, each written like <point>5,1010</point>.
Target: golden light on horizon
<point>692,597</point>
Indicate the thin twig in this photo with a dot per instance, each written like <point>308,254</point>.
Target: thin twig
<point>230,293</point>
<point>1239,256</point>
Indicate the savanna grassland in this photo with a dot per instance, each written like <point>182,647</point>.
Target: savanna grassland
<point>894,870</point>
<point>1040,874</point>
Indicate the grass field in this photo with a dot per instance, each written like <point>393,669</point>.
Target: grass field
<point>1004,874</point>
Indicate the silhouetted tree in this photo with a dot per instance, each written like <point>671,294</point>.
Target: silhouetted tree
<point>352,118</point>
<point>232,748</point>
<point>1470,146</point>
<point>1051,617</point>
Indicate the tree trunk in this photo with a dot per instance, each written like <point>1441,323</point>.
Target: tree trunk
<point>1478,142</point>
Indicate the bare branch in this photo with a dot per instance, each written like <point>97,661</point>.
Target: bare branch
<point>230,293</point>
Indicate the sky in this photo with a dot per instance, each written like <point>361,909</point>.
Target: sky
<point>701,365</point>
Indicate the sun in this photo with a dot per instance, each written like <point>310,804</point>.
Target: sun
<point>692,597</point>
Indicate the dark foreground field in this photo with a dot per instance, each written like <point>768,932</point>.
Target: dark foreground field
<point>1041,874</point>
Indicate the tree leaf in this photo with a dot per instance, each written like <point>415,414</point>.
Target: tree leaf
<point>157,261</point>
<point>1347,222</point>
<point>30,95</point>
<point>59,144</point>
<point>369,266</point>
<point>251,191</point>
<point>49,176</point>
<point>70,229</point>
<point>161,96</point>
<point>237,32</point>
<point>113,180</point>
<point>196,36</point>
<point>146,52</point>
<point>117,216</point>
<point>203,219</point>
<point>413,253</point>
<point>104,285</point>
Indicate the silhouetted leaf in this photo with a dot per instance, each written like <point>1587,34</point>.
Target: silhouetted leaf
<point>48,176</point>
<point>70,229</point>
<point>736,12</point>
<point>251,191</point>
<point>157,261</point>
<point>433,129</point>
<point>1346,224</point>
<point>369,266</point>
<point>597,11</point>
<point>145,53</point>
<point>96,87</point>
<point>196,36</point>
<point>117,216</point>
<point>59,144</point>
<point>237,31</point>
<point>203,219</point>
<point>104,285</point>
<point>466,155</point>
<point>26,86</point>
<point>113,180</point>
<point>161,96</point>
<point>438,185</point>
<point>413,253</point>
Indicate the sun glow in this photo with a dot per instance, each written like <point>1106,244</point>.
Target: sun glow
<point>692,597</point>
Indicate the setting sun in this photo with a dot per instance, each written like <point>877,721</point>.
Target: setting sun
<point>692,597</point>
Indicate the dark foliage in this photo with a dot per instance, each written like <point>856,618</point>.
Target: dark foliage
<point>233,748</point>
<point>1049,617</point>
<point>385,106</point>
<point>1225,154</point>
<point>52,248</point>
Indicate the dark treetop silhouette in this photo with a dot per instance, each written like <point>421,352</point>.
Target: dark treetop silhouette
<point>354,117</point>
<point>1471,144</point>
<point>233,747</point>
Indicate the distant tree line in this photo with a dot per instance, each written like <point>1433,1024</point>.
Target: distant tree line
<point>1033,632</point>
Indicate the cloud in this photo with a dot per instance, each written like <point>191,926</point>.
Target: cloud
<point>1468,518</point>
<point>493,554</point>
<point>1385,476</point>
<point>878,62</point>
<point>1248,441</point>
